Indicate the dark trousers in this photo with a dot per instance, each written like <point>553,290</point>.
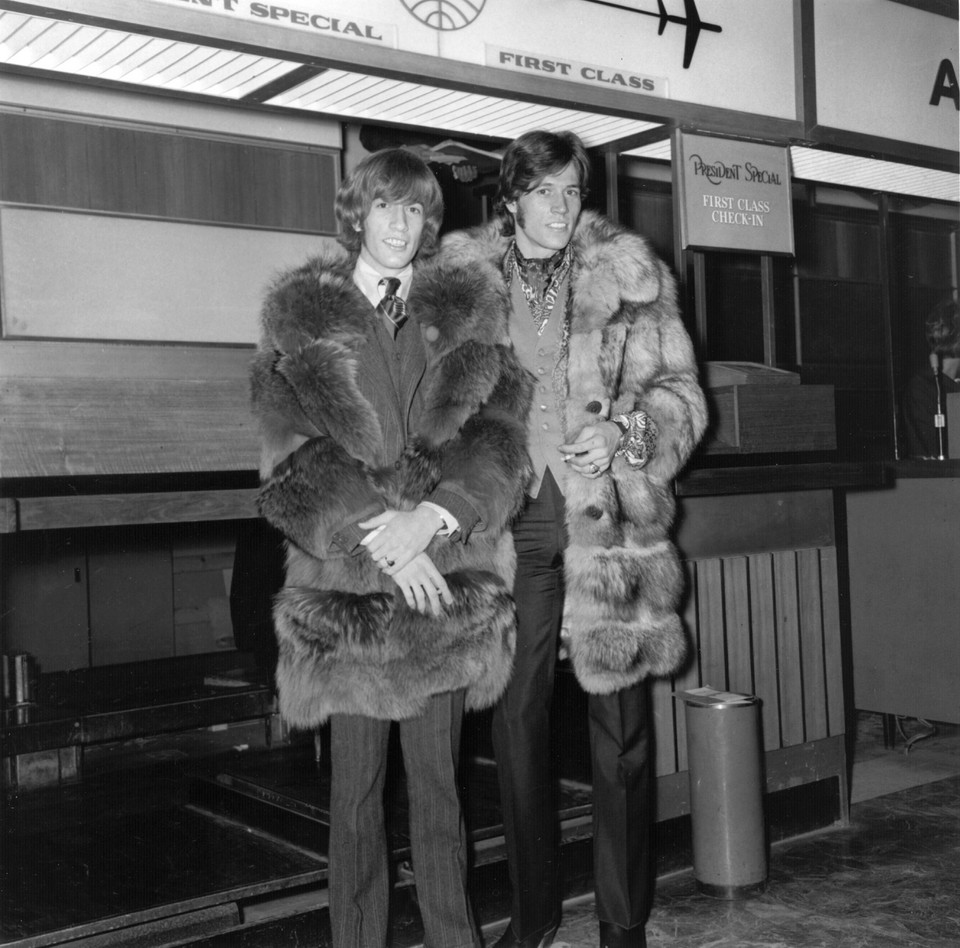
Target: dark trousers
<point>359,873</point>
<point>619,747</point>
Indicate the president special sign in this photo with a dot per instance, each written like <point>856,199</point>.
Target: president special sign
<point>734,195</point>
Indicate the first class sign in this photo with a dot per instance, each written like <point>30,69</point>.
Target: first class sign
<point>734,195</point>
<point>556,67</point>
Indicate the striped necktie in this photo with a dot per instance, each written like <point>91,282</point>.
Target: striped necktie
<point>392,306</point>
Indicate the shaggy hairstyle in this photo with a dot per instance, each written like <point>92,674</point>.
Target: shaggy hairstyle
<point>398,177</point>
<point>943,329</point>
<point>529,159</point>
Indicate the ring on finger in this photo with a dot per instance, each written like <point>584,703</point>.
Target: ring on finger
<point>594,469</point>
<point>391,562</point>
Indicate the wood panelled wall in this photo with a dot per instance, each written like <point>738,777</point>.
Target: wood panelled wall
<point>76,409</point>
<point>765,624</point>
<point>145,409</point>
<point>72,164</point>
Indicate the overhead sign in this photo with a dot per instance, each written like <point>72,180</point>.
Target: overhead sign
<point>734,195</point>
<point>557,67</point>
<point>897,79</point>
<point>303,15</point>
<point>734,56</point>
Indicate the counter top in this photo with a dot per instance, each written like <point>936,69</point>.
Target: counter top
<point>705,482</point>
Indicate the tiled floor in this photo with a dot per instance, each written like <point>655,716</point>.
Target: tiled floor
<point>155,843</point>
<point>889,878</point>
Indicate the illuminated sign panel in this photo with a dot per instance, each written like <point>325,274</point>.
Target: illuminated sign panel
<point>734,195</point>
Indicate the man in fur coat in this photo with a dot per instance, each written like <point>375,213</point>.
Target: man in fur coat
<point>394,458</point>
<point>616,413</point>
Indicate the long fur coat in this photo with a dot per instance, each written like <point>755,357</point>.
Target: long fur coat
<point>348,641</point>
<point>628,350</point>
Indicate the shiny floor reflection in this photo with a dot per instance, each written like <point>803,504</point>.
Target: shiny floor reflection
<point>888,879</point>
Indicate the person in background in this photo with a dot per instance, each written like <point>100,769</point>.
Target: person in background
<point>617,412</point>
<point>393,460</point>
<point>925,394</point>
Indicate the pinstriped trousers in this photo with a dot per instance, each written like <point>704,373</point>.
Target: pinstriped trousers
<point>359,871</point>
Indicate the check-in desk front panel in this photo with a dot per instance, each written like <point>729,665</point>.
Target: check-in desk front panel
<point>905,593</point>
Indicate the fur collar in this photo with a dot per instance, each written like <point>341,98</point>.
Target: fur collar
<point>315,321</point>
<point>319,301</point>
<point>604,254</point>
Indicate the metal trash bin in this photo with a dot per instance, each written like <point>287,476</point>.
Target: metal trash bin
<point>726,792</point>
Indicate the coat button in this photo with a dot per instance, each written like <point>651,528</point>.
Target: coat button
<point>594,407</point>
<point>593,512</point>
<point>397,465</point>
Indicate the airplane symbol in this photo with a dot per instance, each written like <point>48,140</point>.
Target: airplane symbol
<point>691,21</point>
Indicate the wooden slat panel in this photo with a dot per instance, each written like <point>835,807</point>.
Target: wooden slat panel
<point>713,658</point>
<point>788,647</point>
<point>736,589</point>
<point>690,677</point>
<point>778,631</point>
<point>833,654</point>
<point>811,645</point>
<point>765,646</point>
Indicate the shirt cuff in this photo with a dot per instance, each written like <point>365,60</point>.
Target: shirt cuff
<point>461,512</point>
<point>450,523</point>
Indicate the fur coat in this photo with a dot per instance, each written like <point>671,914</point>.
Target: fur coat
<point>348,641</point>
<point>628,350</point>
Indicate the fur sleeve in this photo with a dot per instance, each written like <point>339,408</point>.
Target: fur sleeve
<point>660,377</point>
<point>478,397</point>
<point>314,492</point>
<point>310,485</point>
<point>317,432</point>
<point>488,460</point>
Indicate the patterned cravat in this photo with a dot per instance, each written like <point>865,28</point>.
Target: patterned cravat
<point>392,306</point>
